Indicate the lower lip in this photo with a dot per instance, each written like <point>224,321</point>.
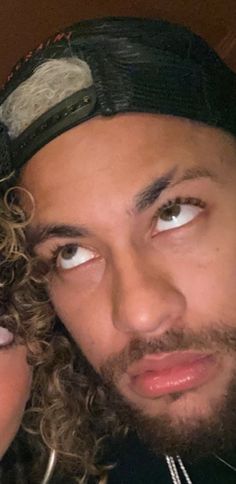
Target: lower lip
<point>154,384</point>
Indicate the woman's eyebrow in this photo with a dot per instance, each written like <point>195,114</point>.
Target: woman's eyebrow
<point>40,233</point>
<point>150,194</point>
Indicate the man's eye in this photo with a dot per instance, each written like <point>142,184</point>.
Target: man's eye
<point>176,214</point>
<point>72,256</point>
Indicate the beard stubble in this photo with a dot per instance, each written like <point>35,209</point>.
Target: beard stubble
<point>192,438</point>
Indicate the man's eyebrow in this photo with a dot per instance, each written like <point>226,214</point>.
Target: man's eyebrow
<point>40,233</point>
<point>145,198</point>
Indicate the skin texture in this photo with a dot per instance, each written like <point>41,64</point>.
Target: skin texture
<point>141,281</point>
<point>15,381</point>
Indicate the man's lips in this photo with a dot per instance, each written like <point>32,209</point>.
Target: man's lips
<point>157,375</point>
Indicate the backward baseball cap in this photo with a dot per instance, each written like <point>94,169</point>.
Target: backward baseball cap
<point>136,65</point>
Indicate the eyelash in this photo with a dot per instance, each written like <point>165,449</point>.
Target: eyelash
<point>182,201</point>
<point>176,201</point>
<point>55,253</point>
<point>197,202</point>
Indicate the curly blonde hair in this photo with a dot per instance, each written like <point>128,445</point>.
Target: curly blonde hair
<point>24,305</point>
<point>70,406</point>
<point>69,411</point>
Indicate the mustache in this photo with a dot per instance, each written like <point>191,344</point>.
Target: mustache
<point>220,338</point>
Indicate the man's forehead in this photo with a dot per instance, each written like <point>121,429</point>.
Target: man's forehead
<point>79,182</point>
<point>118,144</point>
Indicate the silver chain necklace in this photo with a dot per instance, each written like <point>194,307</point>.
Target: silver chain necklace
<point>174,473</point>
<point>227,464</point>
<point>173,470</point>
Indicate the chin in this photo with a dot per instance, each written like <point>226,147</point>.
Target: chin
<point>191,423</point>
<point>184,406</point>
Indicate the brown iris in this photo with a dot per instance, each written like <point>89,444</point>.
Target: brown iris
<point>168,213</point>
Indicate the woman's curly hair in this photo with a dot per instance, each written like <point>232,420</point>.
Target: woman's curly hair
<point>24,306</point>
<point>69,411</point>
<point>71,407</point>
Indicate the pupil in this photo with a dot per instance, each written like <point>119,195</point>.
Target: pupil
<point>69,251</point>
<point>170,212</point>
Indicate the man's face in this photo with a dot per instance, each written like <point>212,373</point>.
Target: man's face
<point>136,216</point>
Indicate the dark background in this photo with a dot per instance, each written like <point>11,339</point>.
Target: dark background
<point>25,23</point>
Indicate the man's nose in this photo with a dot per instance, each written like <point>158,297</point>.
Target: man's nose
<point>144,300</point>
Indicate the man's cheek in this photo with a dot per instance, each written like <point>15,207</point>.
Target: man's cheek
<point>212,285</point>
